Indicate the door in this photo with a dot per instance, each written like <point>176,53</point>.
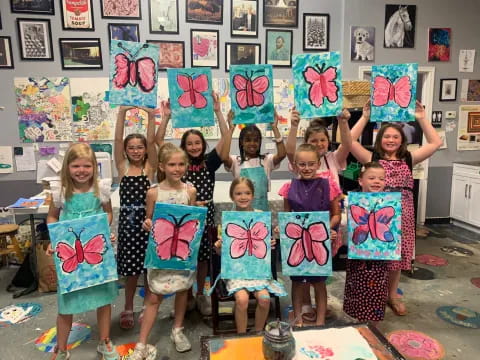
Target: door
<point>474,201</point>
<point>459,197</point>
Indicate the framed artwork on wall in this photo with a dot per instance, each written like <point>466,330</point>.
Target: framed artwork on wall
<point>241,53</point>
<point>316,32</point>
<point>81,54</point>
<point>35,38</point>
<point>439,44</point>
<point>400,26</point>
<point>163,16</point>
<point>279,48</point>
<point>6,57</point>
<point>127,32</point>
<point>172,54</point>
<point>77,15</point>
<point>448,89</point>
<point>280,13</point>
<point>244,18</point>
<point>204,11</point>
<point>45,7</point>
<point>204,48</point>
<point>121,9</point>
<point>362,43</point>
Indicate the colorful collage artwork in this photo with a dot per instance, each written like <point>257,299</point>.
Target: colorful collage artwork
<point>394,92</point>
<point>374,225</point>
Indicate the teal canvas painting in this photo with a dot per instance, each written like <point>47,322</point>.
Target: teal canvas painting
<point>374,225</point>
<point>83,253</point>
<point>317,80</point>
<point>305,243</point>
<point>394,92</point>
<point>133,73</point>
<point>246,248</point>
<point>190,92</point>
<point>251,93</point>
<point>175,236</point>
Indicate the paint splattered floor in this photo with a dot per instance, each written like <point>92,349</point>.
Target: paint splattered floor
<point>451,286</point>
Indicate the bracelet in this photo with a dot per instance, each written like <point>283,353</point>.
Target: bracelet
<point>278,140</point>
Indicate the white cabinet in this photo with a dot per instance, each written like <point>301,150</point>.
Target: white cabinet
<point>465,196</point>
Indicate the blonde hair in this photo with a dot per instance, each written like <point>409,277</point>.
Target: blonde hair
<point>241,180</point>
<point>75,152</point>
<point>307,148</point>
<point>164,154</point>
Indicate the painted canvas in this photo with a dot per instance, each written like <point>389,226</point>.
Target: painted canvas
<point>246,237</point>
<point>133,73</point>
<point>190,97</point>
<point>175,237</point>
<point>318,84</point>
<point>394,92</point>
<point>439,44</point>
<point>251,93</point>
<point>305,243</point>
<point>84,255</point>
<point>374,225</point>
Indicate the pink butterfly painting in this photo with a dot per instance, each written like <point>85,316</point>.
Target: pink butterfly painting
<point>250,90</point>
<point>193,86</point>
<point>248,240</point>
<point>90,253</point>
<point>322,84</point>
<point>309,243</point>
<point>377,223</point>
<point>384,91</point>
<point>132,71</point>
<point>173,238</point>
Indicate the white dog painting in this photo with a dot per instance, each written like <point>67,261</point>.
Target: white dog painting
<point>362,43</point>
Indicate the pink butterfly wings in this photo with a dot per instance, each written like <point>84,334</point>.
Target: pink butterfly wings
<point>173,238</point>
<point>250,92</point>
<point>193,86</point>
<point>309,243</point>
<point>322,84</point>
<point>377,223</point>
<point>384,91</point>
<point>248,240</point>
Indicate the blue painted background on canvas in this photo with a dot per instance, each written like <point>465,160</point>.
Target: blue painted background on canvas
<point>375,249</point>
<point>142,90</point>
<point>394,110</point>
<point>243,92</point>
<point>298,220</point>
<point>85,275</point>
<point>309,71</point>
<point>161,250</point>
<point>185,112</point>
<point>246,266</point>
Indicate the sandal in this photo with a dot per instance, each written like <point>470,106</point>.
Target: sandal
<point>309,314</point>
<point>126,320</point>
<point>396,304</point>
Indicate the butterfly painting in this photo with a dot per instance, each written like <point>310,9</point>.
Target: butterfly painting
<point>190,97</point>
<point>251,93</point>
<point>133,73</point>
<point>305,243</point>
<point>394,91</point>
<point>374,226</point>
<point>246,237</point>
<point>318,84</point>
<point>83,253</point>
<point>174,240</point>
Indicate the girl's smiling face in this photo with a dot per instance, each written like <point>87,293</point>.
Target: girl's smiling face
<point>307,164</point>
<point>242,197</point>
<point>320,141</point>
<point>391,141</point>
<point>81,171</point>
<point>251,145</point>
<point>194,146</point>
<point>135,150</point>
<point>372,180</point>
<point>175,167</point>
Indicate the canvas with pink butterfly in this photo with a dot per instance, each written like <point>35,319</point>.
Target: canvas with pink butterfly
<point>246,237</point>
<point>305,243</point>
<point>318,84</point>
<point>190,97</point>
<point>83,253</point>
<point>374,225</point>
<point>175,236</point>
<point>394,92</point>
<point>133,73</point>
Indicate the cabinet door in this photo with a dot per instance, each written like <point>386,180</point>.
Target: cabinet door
<point>474,201</point>
<point>459,198</point>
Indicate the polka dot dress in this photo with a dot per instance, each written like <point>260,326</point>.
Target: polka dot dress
<point>132,240</point>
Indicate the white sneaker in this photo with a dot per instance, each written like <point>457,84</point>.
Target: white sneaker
<point>143,352</point>
<point>204,305</point>
<point>180,340</point>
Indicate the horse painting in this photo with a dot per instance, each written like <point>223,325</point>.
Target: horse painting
<point>399,28</point>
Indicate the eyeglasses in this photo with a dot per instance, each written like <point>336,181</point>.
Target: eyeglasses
<point>303,165</point>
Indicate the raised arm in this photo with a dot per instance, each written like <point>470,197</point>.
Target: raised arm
<point>162,128</point>
<point>151,147</point>
<point>225,153</point>
<point>433,139</point>
<point>345,147</point>
<point>360,153</point>
<point>292,135</point>
<point>222,124</point>
<point>281,152</point>
<point>119,152</point>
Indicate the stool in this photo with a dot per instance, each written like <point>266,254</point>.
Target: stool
<point>9,230</point>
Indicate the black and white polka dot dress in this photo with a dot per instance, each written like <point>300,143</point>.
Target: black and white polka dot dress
<point>132,240</point>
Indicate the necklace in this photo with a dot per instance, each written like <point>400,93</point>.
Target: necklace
<point>305,187</point>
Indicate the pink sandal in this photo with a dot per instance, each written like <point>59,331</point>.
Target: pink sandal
<point>127,321</point>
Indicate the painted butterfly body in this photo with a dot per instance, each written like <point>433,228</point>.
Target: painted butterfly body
<point>385,91</point>
<point>173,238</point>
<point>250,92</point>
<point>248,239</point>
<point>374,222</point>
<point>309,243</point>
<point>322,84</point>
<point>91,252</point>
<point>193,88</point>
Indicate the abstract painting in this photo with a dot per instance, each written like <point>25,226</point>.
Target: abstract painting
<point>133,73</point>
<point>439,44</point>
<point>246,237</point>
<point>172,54</point>
<point>252,93</point>
<point>190,97</point>
<point>121,9</point>
<point>318,84</point>
<point>316,32</point>
<point>394,92</point>
<point>374,225</point>
<point>175,237</point>
<point>305,243</point>
<point>83,253</point>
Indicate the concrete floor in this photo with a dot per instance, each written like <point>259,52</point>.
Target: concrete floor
<point>451,286</point>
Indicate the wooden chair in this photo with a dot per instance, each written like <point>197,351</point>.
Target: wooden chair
<point>9,230</point>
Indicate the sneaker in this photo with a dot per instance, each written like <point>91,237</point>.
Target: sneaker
<point>204,305</point>
<point>60,355</point>
<point>143,352</point>
<point>107,350</point>
<point>180,340</point>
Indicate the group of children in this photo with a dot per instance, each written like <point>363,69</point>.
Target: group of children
<point>186,175</point>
